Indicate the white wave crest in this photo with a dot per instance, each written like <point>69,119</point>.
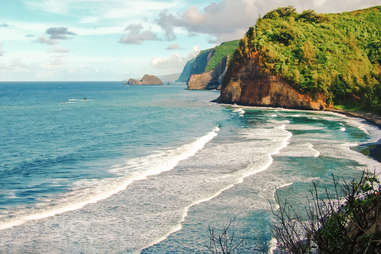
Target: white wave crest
<point>240,111</point>
<point>253,168</point>
<point>103,189</point>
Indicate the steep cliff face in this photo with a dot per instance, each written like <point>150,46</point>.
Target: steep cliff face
<point>187,71</point>
<point>207,69</point>
<point>196,65</point>
<point>305,60</point>
<point>248,84</point>
<point>209,80</point>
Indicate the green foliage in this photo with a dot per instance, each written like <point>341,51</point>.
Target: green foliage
<point>281,12</point>
<point>346,221</point>
<point>221,51</point>
<point>338,55</point>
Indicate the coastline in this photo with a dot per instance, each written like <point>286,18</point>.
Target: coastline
<point>373,118</point>
<point>372,150</point>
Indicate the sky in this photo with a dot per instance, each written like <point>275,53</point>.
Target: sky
<point>113,40</point>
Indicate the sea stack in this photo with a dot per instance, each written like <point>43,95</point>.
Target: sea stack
<point>146,80</point>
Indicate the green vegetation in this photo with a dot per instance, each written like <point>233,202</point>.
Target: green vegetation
<point>200,62</point>
<point>345,221</point>
<point>338,55</point>
<point>221,51</point>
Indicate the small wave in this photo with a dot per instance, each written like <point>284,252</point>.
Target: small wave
<point>273,246</point>
<point>107,187</point>
<point>240,111</point>
<point>284,186</point>
<point>74,100</point>
<point>316,152</point>
<point>300,150</point>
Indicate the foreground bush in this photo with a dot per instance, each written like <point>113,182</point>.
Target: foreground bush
<point>345,221</point>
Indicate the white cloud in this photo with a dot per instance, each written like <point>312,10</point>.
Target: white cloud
<point>60,50</point>
<point>175,62</point>
<point>47,41</point>
<point>136,35</point>
<point>173,46</point>
<point>88,20</point>
<point>229,19</point>
<point>101,9</point>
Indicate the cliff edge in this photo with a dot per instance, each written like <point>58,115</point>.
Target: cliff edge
<point>248,84</point>
<point>206,70</point>
<point>308,61</point>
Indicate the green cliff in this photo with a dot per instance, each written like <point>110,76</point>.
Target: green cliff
<point>328,59</point>
<point>211,63</point>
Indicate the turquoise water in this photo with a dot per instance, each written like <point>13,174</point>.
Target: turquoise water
<point>104,167</point>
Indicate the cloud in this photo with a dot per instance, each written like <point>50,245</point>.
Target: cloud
<point>170,63</point>
<point>88,20</point>
<point>54,35</point>
<point>175,62</point>
<point>168,22</point>
<point>60,50</point>
<point>101,9</point>
<point>59,33</point>
<point>136,35</point>
<point>47,41</point>
<point>230,19</point>
<point>4,25</point>
<point>173,46</point>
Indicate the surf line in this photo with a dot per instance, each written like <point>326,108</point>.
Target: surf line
<point>239,180</point>
<point>189,151</point>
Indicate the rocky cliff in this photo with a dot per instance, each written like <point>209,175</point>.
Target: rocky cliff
<point>146,80</point>
<point>209,80</point>
<point>308,60</point>
<point>207,69</point>
<point>196,65</point>
<point>249,84</point>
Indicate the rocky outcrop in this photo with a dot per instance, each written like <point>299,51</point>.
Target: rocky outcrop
<point>132,81</point>
<point>209,80</point>
<point>248,84</point>
<point>146,80</point>
<point>151,80</point>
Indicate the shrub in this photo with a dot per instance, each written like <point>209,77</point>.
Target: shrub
<point>335,223</point>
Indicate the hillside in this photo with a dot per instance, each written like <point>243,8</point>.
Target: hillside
<point>208,66</point>
<point>330,59</point>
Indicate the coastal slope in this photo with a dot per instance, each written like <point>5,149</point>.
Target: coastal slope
<point>207,69</point>
<point>308,61</point>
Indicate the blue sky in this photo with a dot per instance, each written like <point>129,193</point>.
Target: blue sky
<point>118,39</point>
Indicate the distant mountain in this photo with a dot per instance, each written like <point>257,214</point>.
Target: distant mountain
<point>169,78</point>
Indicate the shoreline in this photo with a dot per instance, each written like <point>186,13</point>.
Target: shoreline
<point>372,150</point>
<point>370,117</point>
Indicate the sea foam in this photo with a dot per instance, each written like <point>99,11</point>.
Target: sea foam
<point>105,188</point>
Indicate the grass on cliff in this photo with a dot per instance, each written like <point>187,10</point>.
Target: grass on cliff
<point>221,51</point>
<point>335,54</point>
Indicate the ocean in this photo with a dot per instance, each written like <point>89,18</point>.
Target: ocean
<point>101,167</point>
